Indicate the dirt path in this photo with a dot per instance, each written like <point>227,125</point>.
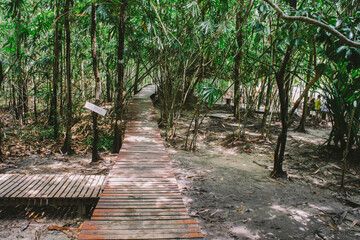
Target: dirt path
<point>230,192</point>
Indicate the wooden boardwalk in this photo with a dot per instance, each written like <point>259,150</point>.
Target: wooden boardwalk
<point>141,199</point>
<point>50,189</point>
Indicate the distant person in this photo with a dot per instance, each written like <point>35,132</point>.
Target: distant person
<point>317,107</point>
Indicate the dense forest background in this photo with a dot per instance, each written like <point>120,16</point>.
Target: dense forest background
<point>56,55</point>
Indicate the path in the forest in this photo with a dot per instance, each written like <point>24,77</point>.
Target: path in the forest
<point>141,199</point>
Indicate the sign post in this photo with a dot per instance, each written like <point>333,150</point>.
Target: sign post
<point>95,108</point>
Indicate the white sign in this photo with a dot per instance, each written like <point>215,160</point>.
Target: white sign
<point>95,108</point>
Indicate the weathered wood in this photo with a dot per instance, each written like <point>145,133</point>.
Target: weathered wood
<point>141,199</point>
<point>46,186</point>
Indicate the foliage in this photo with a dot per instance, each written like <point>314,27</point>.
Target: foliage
<point>208,93</point>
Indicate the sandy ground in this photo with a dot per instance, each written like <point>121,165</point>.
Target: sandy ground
<point>230,193</point>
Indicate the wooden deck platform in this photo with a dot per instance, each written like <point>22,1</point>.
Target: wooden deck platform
<point>141,199</point>
<point>50,189</point>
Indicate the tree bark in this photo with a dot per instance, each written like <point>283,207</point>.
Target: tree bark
<point>2,75</point>
<point>238,58</point>
<point>67,143</point>
<point>137,77</point>
<point>120,81</point>
<point>283,87</point>
<point>108,83</point>
<point>95,151</point>
<point>284,102</point>
<point>53,118</point>
<point>18,104</point>
<point>1,81</point>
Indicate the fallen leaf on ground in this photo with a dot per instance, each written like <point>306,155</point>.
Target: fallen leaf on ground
<point>214,212</point>
<point>193,176</point>
<point>314,173</point>
<point>204,211</point>
<point>248,151</point>
<point>354,222</point>
<point>329,223</point>
<point>254,140</point>
<point>34,217</point>
<point>276,181</point>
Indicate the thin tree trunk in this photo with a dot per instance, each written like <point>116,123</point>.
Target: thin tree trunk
<point>284,102</point>
<point>35,104</point>
<point>238,58</point>
<point>53,118</point>
<point>108,83</point>
<point>95,151</point>
<point>18,106</point>
<point>67,143</point>
<point>282,82</point>
<point>120,82</point>
<point>137,77</point>
<point>1,81</point>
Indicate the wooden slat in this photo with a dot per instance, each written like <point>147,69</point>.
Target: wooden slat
<point>40,187</point>
<point>93,185</point>
<point>11,185</point>
<point>76,186</point>
<point>25,187</point>
<point>60,188</point>
<point>82,194</point>
<point>45,192</point>
<point>50,186</point>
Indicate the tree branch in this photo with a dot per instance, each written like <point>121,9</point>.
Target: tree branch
<point>314,22</point>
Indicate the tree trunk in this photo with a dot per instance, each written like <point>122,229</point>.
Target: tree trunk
<point>108,83</point>
<point>67,143</point>
<point>120,82</point>
<point>137,77</point>
<point>1,80</point>
<point>18,105</point>
<point>95,151</point>
<point>284,102</point>
<point>283,87</point>
<point>312,59</point>
<point>53,118</point>
<point>238,57</point>
<point>1,73</point>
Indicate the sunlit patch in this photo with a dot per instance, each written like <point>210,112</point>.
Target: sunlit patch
<point>243,232</point>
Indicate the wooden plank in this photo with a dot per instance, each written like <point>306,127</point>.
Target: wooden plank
<point>7,179</point>
<point>14,183</point>
<point>30,188</point>
<point>29,182</point>
<point>15,186</point>
<point>76,186</point>
<point>127,218</point>
<point>58,191</point>
<point>39,188</point>
<point>55,185</point>
<point>2,176</point>
<point>53,182</point>
<point>71,185</point>
<point>81,187</point>
<point>174,233</point>
<point>86,187</point>
<point>113,225</point>
<point>98,188</point>
<point>93,186</point>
